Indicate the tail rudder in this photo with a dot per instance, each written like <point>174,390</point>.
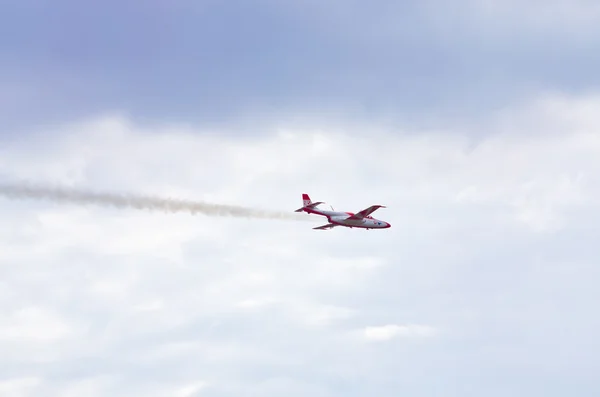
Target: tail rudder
<point>306,201</point>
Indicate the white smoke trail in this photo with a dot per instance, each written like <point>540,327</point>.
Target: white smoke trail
<point>152,203</point>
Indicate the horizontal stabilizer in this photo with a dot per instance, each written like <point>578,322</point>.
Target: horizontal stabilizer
<point>311,205</point>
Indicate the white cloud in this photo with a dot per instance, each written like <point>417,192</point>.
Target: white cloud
<point>560,19</point>
<point>128,303</point>
<point>18,386</point>
<point>391,331</point>
<point>33,324</point>
<point>538,13</point>
<point>191,390</point>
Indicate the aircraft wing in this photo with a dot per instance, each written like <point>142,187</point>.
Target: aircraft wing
<point>366,212</point>
<point>327,226</point>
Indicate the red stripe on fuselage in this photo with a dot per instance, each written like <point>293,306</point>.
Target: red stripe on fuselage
<point>358,226</point>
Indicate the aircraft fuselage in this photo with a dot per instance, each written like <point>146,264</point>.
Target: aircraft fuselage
<point>341,219</point>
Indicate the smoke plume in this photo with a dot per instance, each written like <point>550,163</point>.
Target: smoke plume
<point>141,202</point>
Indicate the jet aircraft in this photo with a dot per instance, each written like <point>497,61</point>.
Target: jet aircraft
<point>362,219</point>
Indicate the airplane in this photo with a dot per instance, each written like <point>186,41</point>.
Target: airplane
<point>362,219</point>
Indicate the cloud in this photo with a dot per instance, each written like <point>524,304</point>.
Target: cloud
<point>18,387</point>
<point>190,390</point>
<point>490,252</point>
<point>387,332</point>
<point>579,16</point>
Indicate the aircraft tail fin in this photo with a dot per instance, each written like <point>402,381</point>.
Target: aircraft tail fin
<point>307,203</point>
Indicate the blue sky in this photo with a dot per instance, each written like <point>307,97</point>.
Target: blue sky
<point>213,62</point>
<point>476,124</point>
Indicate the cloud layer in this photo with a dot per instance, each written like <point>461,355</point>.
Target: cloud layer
<point>486,283</point>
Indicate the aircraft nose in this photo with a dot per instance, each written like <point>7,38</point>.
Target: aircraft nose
<point>387,225</point>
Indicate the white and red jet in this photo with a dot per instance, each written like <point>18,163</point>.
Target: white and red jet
<point>362,219</point>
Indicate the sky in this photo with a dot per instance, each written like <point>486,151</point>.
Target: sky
<point>474,122</point>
